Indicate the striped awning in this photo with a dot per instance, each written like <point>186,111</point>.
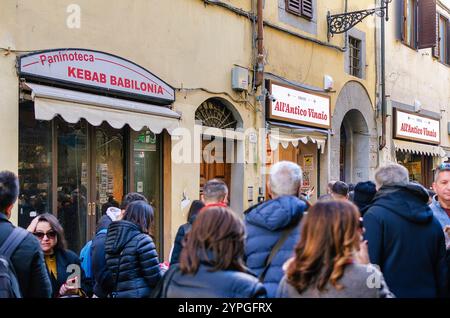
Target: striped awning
<point>420,149</point>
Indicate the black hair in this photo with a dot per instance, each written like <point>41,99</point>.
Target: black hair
<point>9,189</point>
<point>340,188</point>
<point>131,197</point>
<point>141,214</point>
<point>196,206</point>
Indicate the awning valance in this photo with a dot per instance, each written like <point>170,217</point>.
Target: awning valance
<point>73,105</point>
<point>285,134</point>
<point>417,148</point>
<point>285,140</point>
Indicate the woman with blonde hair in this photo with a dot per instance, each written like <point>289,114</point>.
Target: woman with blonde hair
<point>330,260</point>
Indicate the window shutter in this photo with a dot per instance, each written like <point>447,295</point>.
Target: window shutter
<point>435,50</point>
<point>307,8</point>
<point>401,19</point>
<point>294,6</point>
<point>426,24</point>
<point>447,43</point>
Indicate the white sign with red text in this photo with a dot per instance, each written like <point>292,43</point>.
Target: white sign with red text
<point>98,70</point>
<point>413,127</point>
<point>296,106</point>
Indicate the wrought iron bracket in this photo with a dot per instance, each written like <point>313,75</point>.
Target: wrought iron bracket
<point>341,23</point>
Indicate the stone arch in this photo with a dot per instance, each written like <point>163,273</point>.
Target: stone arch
<point>354,115</point>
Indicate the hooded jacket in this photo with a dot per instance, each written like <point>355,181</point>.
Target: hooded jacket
<point>406,241</point>
<point>132,260</point>
<point>265,224</point>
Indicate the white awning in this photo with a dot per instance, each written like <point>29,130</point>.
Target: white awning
<point>417,148</point>
<point>285,140</point>
<point>72,106</point>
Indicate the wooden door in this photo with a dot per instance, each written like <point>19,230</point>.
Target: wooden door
<point>218,169</point>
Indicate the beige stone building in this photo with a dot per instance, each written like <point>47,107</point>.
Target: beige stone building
<point>417,78</point>
<point>107,97</point>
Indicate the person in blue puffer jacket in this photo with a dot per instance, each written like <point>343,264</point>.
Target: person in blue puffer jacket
<point>266,222</point>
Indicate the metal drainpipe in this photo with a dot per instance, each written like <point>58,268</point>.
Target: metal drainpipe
<point>260,39</point>
<point>383,85</point>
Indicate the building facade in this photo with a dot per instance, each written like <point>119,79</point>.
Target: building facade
<point>417,77</point>
<point>85,120</point>
<point>335,76</point>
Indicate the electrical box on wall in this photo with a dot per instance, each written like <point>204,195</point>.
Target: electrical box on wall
<point>448,128</point>
<point>239,78</point>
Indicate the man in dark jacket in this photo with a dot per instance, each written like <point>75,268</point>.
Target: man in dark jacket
<point>268,221</point>
<point>103,282</point>
<point>28,258</point>
<point>404,238</point>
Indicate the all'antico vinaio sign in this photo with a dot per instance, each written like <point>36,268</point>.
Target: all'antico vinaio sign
<point>414,127</point>
<point>290,104</point>
<point>96,70</point>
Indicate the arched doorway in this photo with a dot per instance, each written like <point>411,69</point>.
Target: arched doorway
<point>219,154</point>
<point>354,148</point>
<point>354,136</point>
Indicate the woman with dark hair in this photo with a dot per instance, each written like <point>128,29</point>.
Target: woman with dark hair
<point>131,255</point>
<point>330,259</point>
<point>58,258</point>
<point>196,206</point>
<point>211,262</point>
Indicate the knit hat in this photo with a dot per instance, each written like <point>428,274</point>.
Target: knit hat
<point>364,193</point>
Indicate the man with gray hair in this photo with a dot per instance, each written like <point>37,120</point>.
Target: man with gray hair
<point>404,238</point>
<point>272,226</point>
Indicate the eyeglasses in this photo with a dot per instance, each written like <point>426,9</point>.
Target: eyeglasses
<point>50,235</point>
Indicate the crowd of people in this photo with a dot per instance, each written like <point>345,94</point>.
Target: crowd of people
<point>382,239</point>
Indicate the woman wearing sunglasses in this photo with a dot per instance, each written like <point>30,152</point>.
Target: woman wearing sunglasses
<point>63,265</point>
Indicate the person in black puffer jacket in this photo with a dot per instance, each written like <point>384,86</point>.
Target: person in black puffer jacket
<point>103,283</point>
<point>211,263</point>
<point>196,206</point>
<point>131,255</point>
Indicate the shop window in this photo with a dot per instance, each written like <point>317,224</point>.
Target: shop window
<point>303,8</point>
<point>355,57</point>
<point>35,165</point>
<point>147,165</point>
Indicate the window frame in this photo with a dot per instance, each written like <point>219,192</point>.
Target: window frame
<point>352,57</point>
<point>406,30</point>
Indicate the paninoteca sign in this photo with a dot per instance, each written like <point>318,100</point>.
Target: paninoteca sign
<point>296,106</point>
<point>96,70</point>
<point>414,127</point>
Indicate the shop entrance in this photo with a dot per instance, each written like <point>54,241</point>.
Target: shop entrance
<point>77,170</point>
<point>420,167</point>
<point>214,163</point>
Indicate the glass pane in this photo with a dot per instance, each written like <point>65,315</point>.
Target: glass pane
<point>147,169</point>
<point>442,40</point>
<point>73,181</point>
<point>35,165</point>
<point>109,158</point>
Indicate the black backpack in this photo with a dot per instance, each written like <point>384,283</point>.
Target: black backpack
<point>9,286</point>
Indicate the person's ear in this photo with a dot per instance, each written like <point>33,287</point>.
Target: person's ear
<point>8,211</point>
<point>434,186</point>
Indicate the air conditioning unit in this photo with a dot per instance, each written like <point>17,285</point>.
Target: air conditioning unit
<point>239,78</point>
